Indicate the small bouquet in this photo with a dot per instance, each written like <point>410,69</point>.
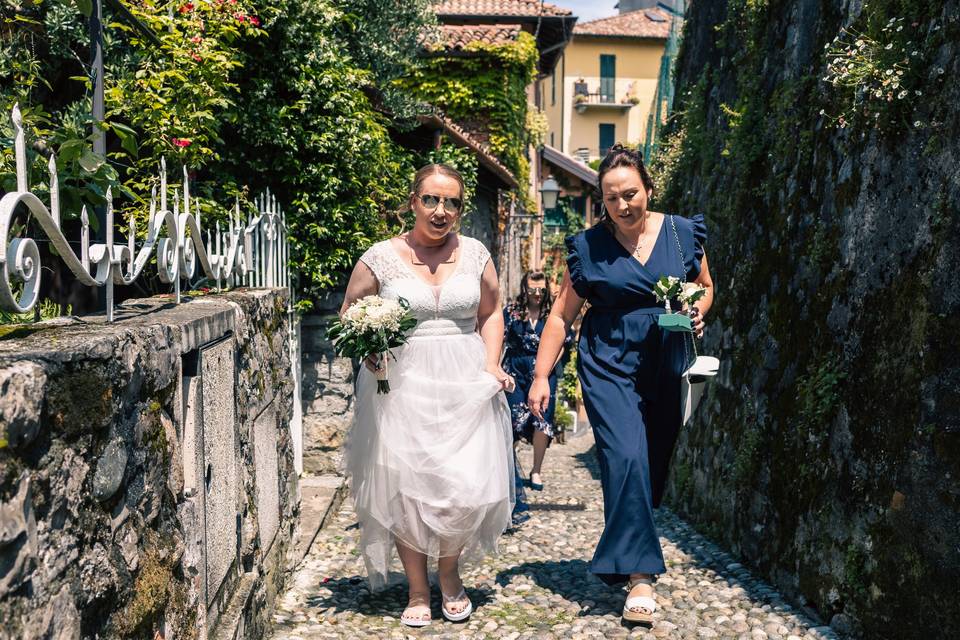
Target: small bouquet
<point>669,287</point>
<point>372,326</point>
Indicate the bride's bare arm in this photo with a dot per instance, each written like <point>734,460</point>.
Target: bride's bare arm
<point>362,283</point>
<point>562,315</point>
<point>490,321</point>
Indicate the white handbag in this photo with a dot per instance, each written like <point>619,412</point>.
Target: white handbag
<point>693,383</point>
<point>698,368</point>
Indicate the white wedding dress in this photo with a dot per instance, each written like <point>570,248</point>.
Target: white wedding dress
<point>431,462</point>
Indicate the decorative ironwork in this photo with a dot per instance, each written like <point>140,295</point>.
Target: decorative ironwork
<point>252,253</point>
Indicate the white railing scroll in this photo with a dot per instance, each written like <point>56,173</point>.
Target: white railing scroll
<point>252,253</point>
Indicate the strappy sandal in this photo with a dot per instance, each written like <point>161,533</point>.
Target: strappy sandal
<point>536,486</point>
<point>411,619</point>
<point>456,617</point>
<point>639,608</point>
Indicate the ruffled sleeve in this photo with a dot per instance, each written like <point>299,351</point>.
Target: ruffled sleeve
<point>693,251</point>
<point>575,266</point>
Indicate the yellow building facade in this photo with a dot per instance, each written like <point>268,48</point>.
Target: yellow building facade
<point>602,88</point>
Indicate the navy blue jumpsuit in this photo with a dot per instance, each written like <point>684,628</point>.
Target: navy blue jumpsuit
<point>630,373</point>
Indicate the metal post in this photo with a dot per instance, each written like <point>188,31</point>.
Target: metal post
<point>97,112</point>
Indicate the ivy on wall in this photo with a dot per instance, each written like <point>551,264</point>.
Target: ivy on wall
<point>486,90</point>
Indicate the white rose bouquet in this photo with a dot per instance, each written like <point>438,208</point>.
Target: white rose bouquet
<point>372,326</point>
<point>670,287</point>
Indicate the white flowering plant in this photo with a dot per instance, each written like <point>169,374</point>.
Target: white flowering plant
<point>372,326</point>
<point>877,75</point>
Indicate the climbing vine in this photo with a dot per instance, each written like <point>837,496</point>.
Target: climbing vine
<point>485,91</point>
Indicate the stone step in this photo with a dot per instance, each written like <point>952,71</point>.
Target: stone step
<point>320,498</point>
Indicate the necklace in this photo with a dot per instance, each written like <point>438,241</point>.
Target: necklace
<point>413,254</point>
<point>641,240</point>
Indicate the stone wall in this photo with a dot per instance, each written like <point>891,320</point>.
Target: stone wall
<point>146,471</point>
<point>827,453</point>
<point>327,391</point>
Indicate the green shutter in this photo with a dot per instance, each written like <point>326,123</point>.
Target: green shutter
<point>608,135</point>
<point>608,77</point>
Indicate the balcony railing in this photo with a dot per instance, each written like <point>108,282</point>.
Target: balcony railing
<point>603,98</point>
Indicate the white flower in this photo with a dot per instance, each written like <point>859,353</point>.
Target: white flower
<point>878,93</point>
<point>902,95</point>
<point>822,112</point>
<point>690,292</point>
<point>918,92</point>
<point>917,123</point>
<point>940,71</point>
<point>900,28</point>
<point>889,46</point>
<point>889,72</point>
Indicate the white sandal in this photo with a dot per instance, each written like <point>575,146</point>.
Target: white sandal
<point>633,605</point>
<point>417,620</point>
<point>456,617</point>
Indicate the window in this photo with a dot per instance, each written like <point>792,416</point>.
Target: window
<point>608,77</point>
<point>551,139</point>
<point>607,136</point>
<point>553,88</point>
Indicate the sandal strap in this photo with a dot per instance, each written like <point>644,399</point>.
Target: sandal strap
<point>641,602</point>
<point>632,583</point>
<point>460,596</point>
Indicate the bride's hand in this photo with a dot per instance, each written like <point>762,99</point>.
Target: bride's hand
<point>539,397</point>
<point>507,383</point>
<point>372,362</point>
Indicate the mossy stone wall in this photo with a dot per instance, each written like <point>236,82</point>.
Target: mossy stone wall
<point>100,533</point>
<point>827,452</point>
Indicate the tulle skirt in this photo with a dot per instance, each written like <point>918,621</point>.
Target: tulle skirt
<point>431,463</point>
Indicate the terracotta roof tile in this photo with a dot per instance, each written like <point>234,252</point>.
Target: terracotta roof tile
<point>457,37</point>
<point>497,8</point>
<point>645,23</point>
<point>472,141</point>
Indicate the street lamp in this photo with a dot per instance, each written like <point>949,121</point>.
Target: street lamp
<point>549,191</point>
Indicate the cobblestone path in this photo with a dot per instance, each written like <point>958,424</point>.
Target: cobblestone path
<point>539,586</point>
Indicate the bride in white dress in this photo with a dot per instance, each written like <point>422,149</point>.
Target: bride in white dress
<point>430,462</point>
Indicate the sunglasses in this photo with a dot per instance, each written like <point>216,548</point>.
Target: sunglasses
<point>539,290</point>
<point>450,205</point>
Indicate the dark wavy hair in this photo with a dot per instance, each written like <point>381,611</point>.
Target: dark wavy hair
<point>620,156</point>
<point>519,309</point>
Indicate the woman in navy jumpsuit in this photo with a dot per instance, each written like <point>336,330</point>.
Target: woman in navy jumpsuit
<point>629,367</point>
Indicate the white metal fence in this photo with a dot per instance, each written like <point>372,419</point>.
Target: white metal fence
<point>252,252</point>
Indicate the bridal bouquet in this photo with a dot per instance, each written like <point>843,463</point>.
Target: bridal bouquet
<point>372,326</point>
<point>669,287</point>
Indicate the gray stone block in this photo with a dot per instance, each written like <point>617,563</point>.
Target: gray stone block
<point>220,456</point>
<point>267,475</point>
<point>110,468</point>
<point>18,539</point>
<point>21,397</point>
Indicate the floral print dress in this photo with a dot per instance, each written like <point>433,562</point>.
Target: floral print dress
<point>522,339</point>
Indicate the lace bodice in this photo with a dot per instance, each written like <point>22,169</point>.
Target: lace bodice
<point>446,309</point>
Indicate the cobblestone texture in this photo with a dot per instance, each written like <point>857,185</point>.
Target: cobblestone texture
<point>539,586</point>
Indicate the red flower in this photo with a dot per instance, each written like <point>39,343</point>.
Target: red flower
<point>183,143</point>
<point>240,17</point>
<point>186,8</point>
<point>196,56</point>
<point>196,39</point>
<point>255,21</point>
